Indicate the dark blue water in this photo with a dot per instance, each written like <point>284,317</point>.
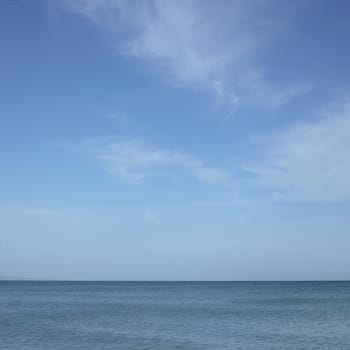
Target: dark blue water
<point>175,315</point>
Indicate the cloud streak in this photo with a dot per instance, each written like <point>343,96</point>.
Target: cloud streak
<point>197,45</point>
<point>308,161</point>
<point>134,162</point>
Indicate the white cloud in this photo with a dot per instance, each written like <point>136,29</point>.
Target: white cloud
<point>133,161</point>
<point>305,162</point>
<point>254,89</point>
<point>213,47</point>
<point>309,161</point>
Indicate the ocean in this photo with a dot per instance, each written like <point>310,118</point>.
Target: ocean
<point>174,315</point>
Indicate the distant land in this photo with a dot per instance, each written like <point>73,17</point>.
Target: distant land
<point>16,278</point>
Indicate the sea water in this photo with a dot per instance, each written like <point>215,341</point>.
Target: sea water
<point>175,315</point>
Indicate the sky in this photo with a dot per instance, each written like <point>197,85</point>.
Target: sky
<point>175,140</point>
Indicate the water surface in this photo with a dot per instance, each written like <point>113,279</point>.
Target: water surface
<point>174,315</point>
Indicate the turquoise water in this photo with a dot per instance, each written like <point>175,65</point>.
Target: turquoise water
<point>175,315</point>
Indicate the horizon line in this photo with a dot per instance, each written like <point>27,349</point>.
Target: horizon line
<point>170,281</point>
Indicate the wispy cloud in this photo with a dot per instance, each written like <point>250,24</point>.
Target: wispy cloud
<point>133,162</point>
<point>308,161</point>
<point>202,45</point>
<point>150,215</point>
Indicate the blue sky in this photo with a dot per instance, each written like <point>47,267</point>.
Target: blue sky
<point>175,140</point>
